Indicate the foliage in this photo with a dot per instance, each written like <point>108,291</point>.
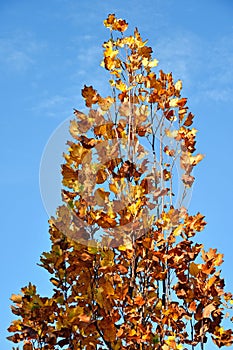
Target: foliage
<point>125,270</point>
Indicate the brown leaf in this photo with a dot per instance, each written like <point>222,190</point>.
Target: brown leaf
<point>188,179</point>
<point>189,119</point>
<point>122,269</point>
<point>27,346</point>
<point>90,95</point>
<point>101,176</point>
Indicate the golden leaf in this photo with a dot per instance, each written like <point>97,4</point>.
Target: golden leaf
<point>16,298</point>
<point>125,246</point>
<point>105,130</point>
<point>148,63</point>
<point>120,85</point>
<point>178,230</point>
<point>99,297</point>
<point>193,269</point>
<point>113,188</point>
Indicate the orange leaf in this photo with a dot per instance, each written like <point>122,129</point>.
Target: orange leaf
<point>181,103</point>
<point>84,318</point>
<point>192,306</point>
<point>138,300</point>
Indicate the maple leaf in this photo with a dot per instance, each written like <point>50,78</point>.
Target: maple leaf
<point>90,95</point>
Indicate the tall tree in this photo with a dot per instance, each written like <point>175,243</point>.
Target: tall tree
<point>125,269</point>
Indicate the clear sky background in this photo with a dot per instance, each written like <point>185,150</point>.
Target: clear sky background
<point>48,50</point>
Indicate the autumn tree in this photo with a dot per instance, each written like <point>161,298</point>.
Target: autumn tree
<point>125,268</point>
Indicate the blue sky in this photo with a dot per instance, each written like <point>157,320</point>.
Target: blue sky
<point>48,51</point>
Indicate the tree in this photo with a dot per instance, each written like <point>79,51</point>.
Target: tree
<point>125,269</point>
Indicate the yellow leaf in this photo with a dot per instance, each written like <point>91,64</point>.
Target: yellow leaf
<point>108,258</point>
<point>147,63</point>
<point>120,85</point>
<point>173,102</point>
<point>171,133</point>
<point>125,246</point>
<point>92,250</point>
<point>132,332</point>
<point>194,160</point>
<point>178,85</point>
<point>159,304</point>
<point>114,23</point>
<point>153,63</point>
<point>178,230</point>
<point>179,347</point>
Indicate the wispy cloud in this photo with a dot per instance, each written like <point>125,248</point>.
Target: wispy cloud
<point>206,67</point>
<point>56,106</point>
<point>18,51</point>
<point>219,64</point>
<point>179,54</point>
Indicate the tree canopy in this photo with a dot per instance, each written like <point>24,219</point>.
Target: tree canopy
<point>125,267</point>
